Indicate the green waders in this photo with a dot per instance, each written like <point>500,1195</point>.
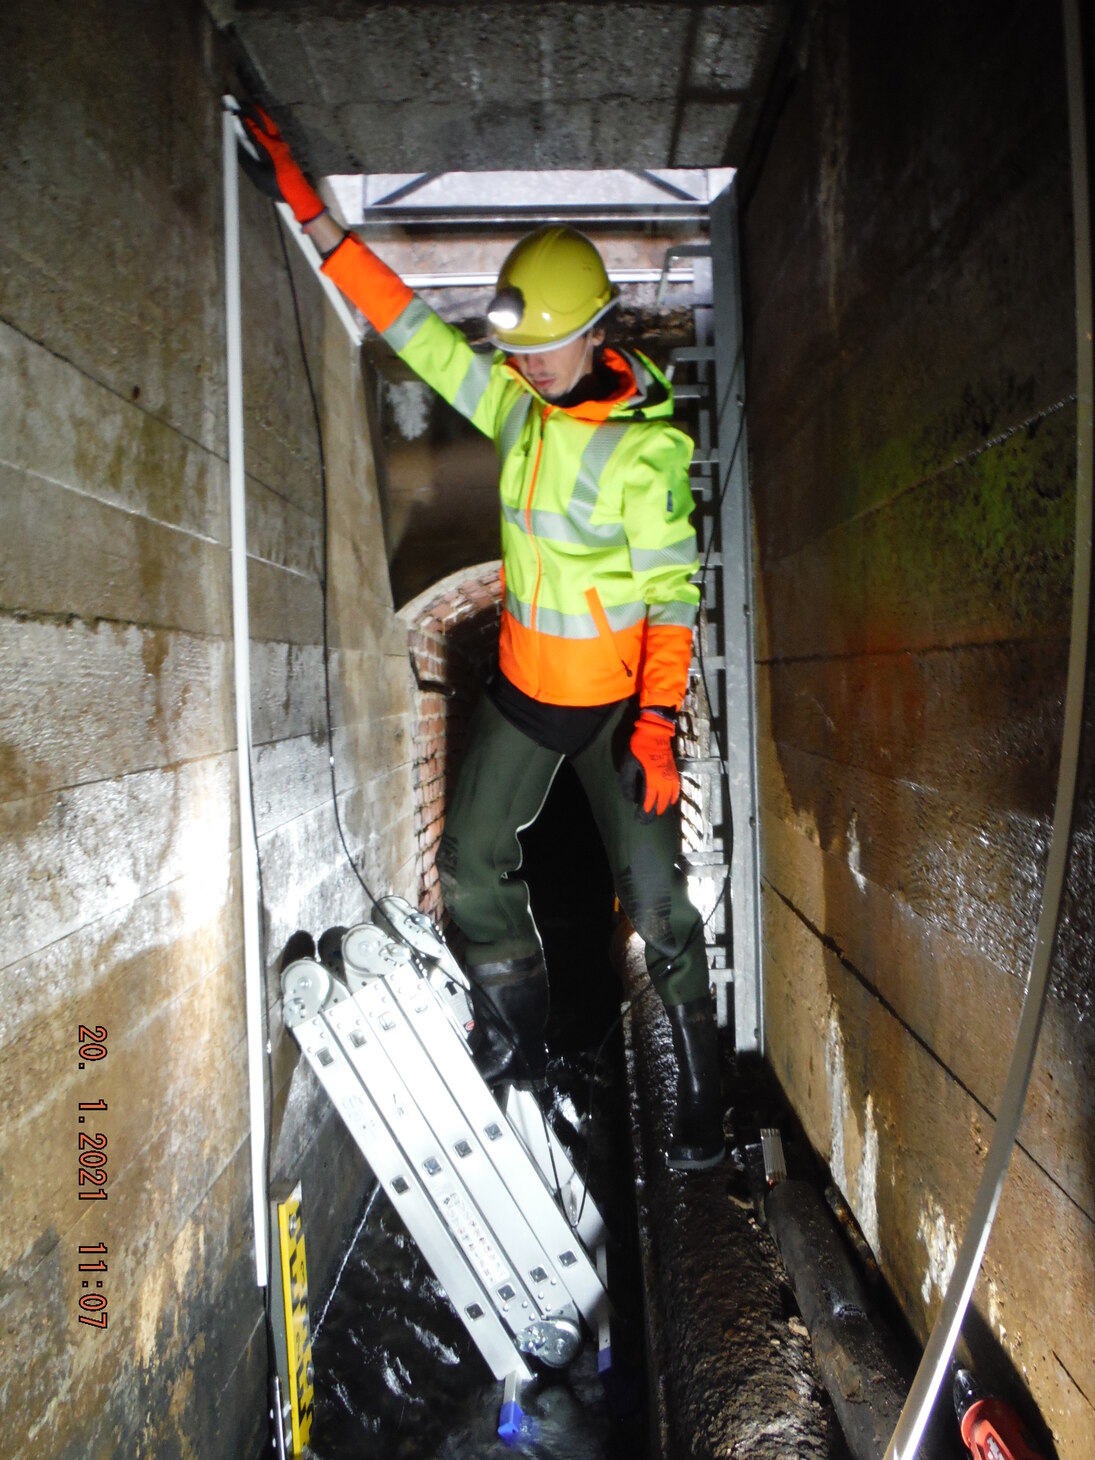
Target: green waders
<point>503,784</point>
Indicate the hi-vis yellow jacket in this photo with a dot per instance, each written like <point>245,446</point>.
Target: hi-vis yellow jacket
<point>597,551</point>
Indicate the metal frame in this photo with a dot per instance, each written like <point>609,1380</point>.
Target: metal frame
<point>737,704</point>
<point>731,856</point>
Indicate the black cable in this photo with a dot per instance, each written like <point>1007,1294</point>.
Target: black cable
<point>369,893</point>
<point>494,1015</point>
<point>325,569</point>
<point>267,1302</point>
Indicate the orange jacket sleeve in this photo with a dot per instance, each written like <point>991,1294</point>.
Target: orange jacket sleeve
<point>367,281</point>
<point>667,653</point>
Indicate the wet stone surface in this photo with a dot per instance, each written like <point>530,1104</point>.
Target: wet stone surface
<point>735,1371</point>
<point>397,1376</point>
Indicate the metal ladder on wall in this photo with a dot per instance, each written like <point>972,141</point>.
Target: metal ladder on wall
<point>725,868</point>
<point>488,1193</point>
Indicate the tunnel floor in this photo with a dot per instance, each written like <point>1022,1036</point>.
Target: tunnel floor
<point>398,1377</point>
<point>396,1374</point>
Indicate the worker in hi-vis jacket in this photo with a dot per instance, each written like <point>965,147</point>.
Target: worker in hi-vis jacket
<point>598,608</point>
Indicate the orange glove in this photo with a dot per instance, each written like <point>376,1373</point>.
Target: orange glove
<point>276,173</point>
<point>649,773</point>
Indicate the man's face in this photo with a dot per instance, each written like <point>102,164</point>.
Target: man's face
<point>555,373</point>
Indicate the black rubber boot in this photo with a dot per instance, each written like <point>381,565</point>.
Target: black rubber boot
<point>510,1002</point>
<point>697,1131</point>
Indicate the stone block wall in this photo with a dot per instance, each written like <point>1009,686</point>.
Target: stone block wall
<point>912,378</point>
<point>119,851</point>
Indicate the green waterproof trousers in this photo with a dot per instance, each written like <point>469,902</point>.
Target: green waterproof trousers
<point>502,786</point>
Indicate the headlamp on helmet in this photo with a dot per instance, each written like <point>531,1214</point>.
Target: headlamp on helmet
<point>507,309</point>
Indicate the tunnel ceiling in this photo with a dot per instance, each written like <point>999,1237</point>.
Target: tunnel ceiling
<point>367,87</point>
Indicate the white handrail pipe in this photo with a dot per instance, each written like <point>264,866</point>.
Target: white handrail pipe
<point>241,643</point>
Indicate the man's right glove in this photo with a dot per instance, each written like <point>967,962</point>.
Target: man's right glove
<point>275,173</point>
<point>649,773</point>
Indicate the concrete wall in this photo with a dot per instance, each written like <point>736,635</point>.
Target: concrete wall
<point>119,858</point>
<point>912,432</point>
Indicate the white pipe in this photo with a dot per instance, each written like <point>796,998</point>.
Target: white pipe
<point>241,643</point>
<point>488,280</point>
<point>940,1346</point>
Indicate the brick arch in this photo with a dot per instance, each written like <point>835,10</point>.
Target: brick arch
<point>452,631</point>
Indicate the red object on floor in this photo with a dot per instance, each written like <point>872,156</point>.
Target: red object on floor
<point>991,1430</point>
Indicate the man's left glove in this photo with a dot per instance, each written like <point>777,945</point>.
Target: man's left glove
<point>649,773</point>
<point>275,173</point>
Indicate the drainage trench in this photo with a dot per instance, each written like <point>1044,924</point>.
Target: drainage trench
<point>713,1357</point>
<point>396,1373</point>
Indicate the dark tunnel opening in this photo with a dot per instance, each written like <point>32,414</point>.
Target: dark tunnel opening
<point>572,897</point>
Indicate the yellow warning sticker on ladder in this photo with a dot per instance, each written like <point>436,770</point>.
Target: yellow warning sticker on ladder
<point>294,1288</point>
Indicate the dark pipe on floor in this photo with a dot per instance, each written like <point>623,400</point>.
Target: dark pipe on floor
<point>858,1361</point>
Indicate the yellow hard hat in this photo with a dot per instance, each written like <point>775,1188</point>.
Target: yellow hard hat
<point>551,289</point>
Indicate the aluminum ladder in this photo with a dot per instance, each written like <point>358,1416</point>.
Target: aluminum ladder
<point>487,1191</point>
<point>722,856</point>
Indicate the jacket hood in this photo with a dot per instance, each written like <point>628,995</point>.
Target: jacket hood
<point>653,394</point>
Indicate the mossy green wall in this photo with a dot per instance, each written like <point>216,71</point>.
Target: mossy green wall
<point>912,416</point>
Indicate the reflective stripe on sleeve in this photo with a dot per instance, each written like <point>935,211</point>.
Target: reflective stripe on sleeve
<point>683,553</point>
<point>403,329</point>
<point>474,385</point>
<point>511,426</point>
<point>682,615</point>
